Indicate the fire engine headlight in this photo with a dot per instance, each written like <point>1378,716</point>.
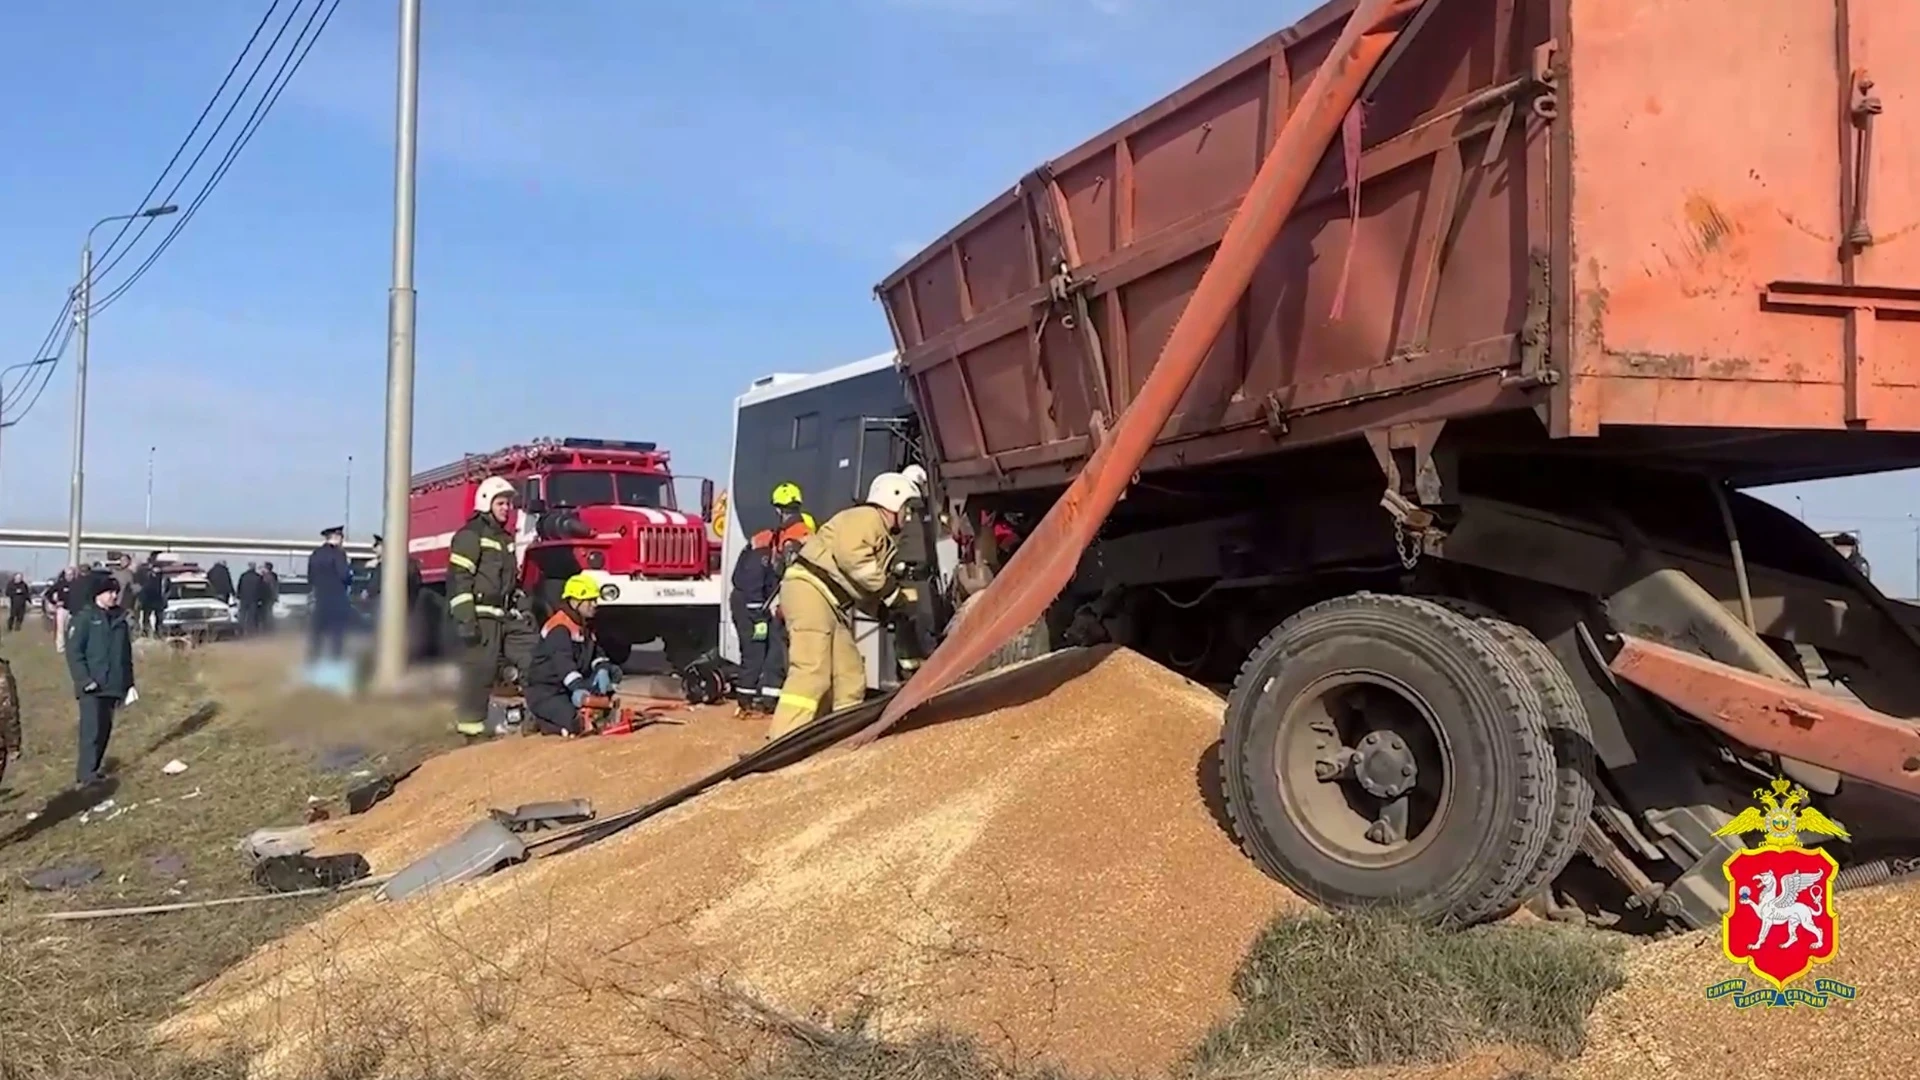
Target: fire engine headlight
<point>609,592</point>
<point>596,560</point>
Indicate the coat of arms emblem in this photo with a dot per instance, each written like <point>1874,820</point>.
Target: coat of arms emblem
<point>1780,920</point>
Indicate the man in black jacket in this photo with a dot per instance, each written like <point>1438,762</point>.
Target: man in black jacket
<point>567,664</point>
<point>483,578</point>
<point>17,597</point>
<point>249,594</point>
<point>220,581</point>
<point>100,659</point>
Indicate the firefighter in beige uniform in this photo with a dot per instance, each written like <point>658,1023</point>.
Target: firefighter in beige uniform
<point>844,567</point>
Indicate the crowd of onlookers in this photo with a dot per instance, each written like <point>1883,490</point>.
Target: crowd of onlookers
<point>145,590</point>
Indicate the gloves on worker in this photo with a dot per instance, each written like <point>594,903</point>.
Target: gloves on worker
<point>580,697</point>
<point>469,632</point>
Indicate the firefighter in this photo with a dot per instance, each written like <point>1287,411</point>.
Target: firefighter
<point>482,577</point>
<point>754,601</point>
<point>567,663</point>
<point>790,507</point>
<point>845,567</point>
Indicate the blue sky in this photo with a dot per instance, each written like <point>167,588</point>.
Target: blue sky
<point>627,211</point>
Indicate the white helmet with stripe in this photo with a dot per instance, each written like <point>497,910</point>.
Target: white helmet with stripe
<point>490,489</point>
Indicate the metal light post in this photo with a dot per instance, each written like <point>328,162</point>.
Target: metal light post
<point>346,512</point>
<point>82,308</point>
<point>390,640</point>
<point>28,366</point>
<point>149,522</point>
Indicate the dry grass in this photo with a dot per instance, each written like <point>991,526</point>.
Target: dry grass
<point>77,999</point>
<point>1363,990</point>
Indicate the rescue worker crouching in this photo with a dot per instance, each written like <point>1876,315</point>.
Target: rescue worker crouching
<point>567,663</point>
<point>754,600</point>
<point>846,566</point>
<point>482,579</point>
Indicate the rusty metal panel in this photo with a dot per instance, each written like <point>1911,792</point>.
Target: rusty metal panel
<point>1440,272</point>
<point>1708,170</point>
<point>1792,721</point>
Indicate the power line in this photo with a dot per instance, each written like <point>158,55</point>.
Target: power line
<point>289,67</point>
<point>147,199</point>
<point>44,379</point>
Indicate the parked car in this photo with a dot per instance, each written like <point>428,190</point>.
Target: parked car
<point>291,605</point>
<point>193,611</point>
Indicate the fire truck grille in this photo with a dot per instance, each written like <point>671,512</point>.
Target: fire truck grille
<point>664,547</point>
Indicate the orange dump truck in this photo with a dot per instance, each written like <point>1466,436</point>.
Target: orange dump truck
<point>1402,373</point>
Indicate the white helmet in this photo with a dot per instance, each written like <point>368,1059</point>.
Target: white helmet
<point>891,490</point>
<point>916,476</point>
<point>490,489</point>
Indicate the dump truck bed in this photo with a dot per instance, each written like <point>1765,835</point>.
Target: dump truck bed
<point>1635,219</point>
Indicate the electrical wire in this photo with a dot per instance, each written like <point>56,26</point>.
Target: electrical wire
<point>44,379</point>
<point>289,67</point>
<point>12,410</point>
<point>147,199</point>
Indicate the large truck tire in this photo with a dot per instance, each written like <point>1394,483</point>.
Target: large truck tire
<point>1569,733</point>
<point>1384,751</point>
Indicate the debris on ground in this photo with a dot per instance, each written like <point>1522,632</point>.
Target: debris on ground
<point>174,767</point>
<point>61,878</point>
<point>1047,874</point>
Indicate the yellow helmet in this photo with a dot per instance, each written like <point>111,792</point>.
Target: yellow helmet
<point>787,494</point>
<point>580,587</point>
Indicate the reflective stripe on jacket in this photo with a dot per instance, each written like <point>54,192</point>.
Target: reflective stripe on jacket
<point>481,571</point>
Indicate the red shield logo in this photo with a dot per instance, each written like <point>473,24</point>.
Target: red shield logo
<point>1779,920</point>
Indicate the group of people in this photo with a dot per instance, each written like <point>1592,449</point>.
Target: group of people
<point>144,592</point>
<point>796,590</point>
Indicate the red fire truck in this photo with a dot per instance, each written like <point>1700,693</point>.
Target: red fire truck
<point>602,507</point>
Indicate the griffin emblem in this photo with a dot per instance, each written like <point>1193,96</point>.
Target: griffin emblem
<point>1780,885</point>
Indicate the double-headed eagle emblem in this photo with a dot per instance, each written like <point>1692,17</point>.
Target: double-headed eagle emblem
<point>1784,818</point>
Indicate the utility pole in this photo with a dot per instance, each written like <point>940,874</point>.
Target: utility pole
<point>346,513</point>
<point>82,315</point>
<point>390,640</point>
<point>76,490</point>
<point>150,451</point>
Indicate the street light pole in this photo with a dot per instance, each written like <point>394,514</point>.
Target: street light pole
<point>390,641</point>
<point>82,309</point>
<point>150,451</point>
<point>346,512</point>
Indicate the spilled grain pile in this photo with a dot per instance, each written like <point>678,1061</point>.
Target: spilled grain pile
<point>452,791</point>
<point>1046,875</point>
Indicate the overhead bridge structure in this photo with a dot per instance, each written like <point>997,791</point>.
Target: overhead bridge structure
<point>140,543</point>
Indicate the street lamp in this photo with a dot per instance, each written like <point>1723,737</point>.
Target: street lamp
<point>150,451</point>
<point>26,367</point>
<point>82,309</point>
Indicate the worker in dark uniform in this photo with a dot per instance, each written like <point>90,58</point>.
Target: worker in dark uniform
<point>754,603</point>
<point>567,663</point>
<point>329,585</point>
<point>482,577</point>
<point>846,567</point>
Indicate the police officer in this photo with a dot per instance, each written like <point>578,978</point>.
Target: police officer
<point>482,576</point>
<point>846,566</point>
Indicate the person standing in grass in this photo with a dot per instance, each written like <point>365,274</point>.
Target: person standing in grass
<point>100,658</point>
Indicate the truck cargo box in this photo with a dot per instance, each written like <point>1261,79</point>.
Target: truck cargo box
<point>1635,219</point>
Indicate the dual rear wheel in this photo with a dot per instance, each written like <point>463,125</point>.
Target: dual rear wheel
<point>1393,751</point>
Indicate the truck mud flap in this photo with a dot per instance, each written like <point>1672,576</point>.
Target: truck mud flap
<point>1779,718</point>
<point>1043,565</point>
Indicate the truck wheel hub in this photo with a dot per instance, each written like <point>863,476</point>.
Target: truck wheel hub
<point>1385,768</point>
